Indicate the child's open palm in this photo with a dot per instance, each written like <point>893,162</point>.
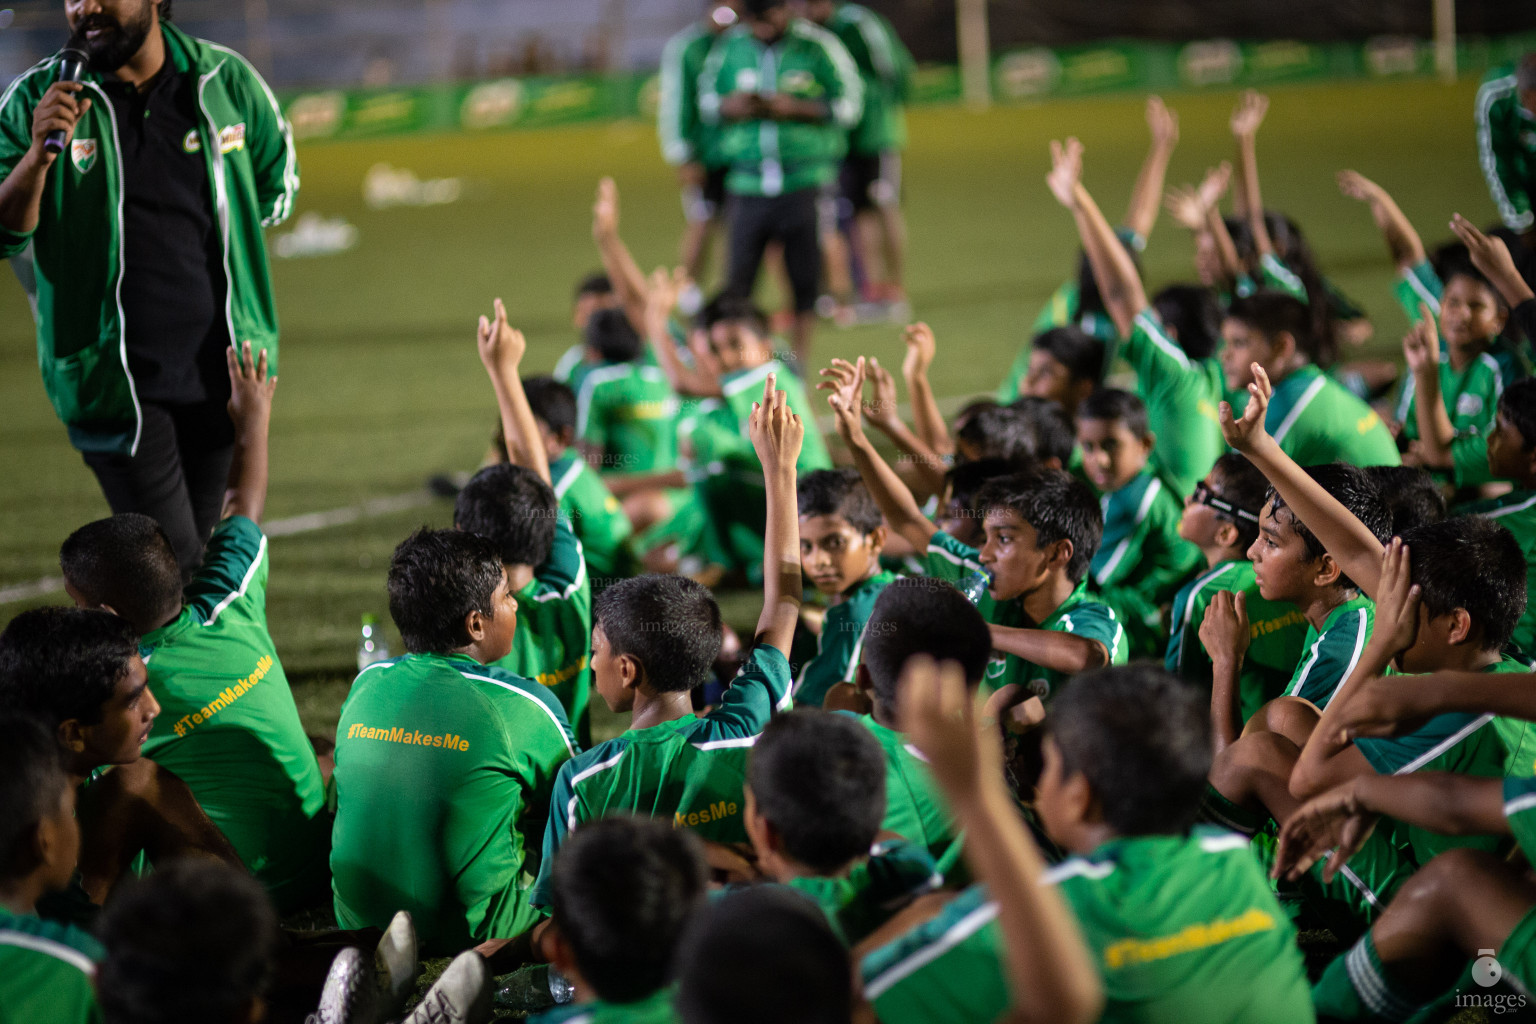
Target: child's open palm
<point>775,429</point>
<point>1249,114</point>
<point>1066,171</point>
<point>1246,432</point>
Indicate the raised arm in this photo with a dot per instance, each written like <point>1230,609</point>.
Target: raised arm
<point>777,434</point>
<point>1491,256</point>
<point>1147,195</point>
<point>622,270</point>
<point>1051,973</point>
<point>1119,284</point>
<point>1402,241</point>
<point>1246,120</point>
<point>883,413</point>
<point>1421,351</point>
<point>1346,539</point>
<point>922,346</point>
<point>661,298</point>
<point>250,407</point>
<point>902,514</point>
<point>501,351</point>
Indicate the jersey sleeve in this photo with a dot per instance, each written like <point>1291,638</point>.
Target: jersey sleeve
<point>1418,284</point>
<point>761,688</point>
<point>591,415</point>
<point>1331,658</point>
<point>233,573</point>
<point>677,112</point>
<point>843,83</point>
<point>948,559</point>
<point>269,140</point>
<point>1184,630</point>
<point>16,107</point>
<point>1275,274</point>
<point>1097,622</point>
<point>1498,152</point>
<point>562,820</point>
<point>564,572</point>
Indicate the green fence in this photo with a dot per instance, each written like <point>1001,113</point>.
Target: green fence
<point>1018,76</point>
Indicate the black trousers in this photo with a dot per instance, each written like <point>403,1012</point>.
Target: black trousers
<point>178,475</point>
<point>790,219</point>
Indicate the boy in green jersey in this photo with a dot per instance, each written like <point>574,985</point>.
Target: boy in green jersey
<point>45,967</point>
<point>815,799</point>
<point>623,890</point>
<point>1511,455</point>
<point>1141,560</point>
<point>841,536</point>
<point>229,728</point>
<point>444,762</point>
<point>78,673</point>
<point>1222,519</point>
<point>1063,364</point>
<point>1178,918</point>
<point>1313,418</point>
<point>654,640</point>
<point>626,412</point>
<point>1180,392</point>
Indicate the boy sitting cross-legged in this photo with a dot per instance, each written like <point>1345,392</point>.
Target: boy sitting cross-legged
<point>654,640</point>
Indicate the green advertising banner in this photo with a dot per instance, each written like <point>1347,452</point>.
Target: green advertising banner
<point>1018,76</point>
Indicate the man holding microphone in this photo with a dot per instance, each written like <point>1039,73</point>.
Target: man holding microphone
<point>146,236</point>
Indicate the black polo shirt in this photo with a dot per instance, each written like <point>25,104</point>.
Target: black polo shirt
<point>173,257</point>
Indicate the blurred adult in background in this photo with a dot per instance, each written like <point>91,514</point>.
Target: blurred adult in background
<point>149,260</point>
<point>785,94</point>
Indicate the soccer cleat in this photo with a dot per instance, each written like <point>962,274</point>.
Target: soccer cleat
<point>350,995</point>
<point>461,996</point>
<point>396,964</point>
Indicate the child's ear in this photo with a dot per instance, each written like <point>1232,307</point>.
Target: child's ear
<point>1061,554</point>
<point>1149,442</point>
<point>1328,571</point>
<point>631,674</point>
<point>474,625</point>
<point>71,735</point>
<point>1081,801</point>
<point>1227,535</point>
<point>875,539</point>
<point>863,680</point>
<point>1283,345</point>
<point>1462,627</point>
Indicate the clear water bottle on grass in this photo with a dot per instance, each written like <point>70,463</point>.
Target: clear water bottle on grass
<point>533,988</point>
<point>371,647</point>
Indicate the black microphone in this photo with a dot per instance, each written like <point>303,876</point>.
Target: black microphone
<point>72,61</point>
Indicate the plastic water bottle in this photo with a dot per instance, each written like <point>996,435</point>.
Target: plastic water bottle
<point>533,988</point>
<point>974,586</point>
<point>371,647</point>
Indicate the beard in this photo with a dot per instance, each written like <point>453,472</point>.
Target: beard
<point>115,46</point>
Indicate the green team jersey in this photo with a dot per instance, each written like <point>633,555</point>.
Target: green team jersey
<point>228,725</point>
<point>948,559</point>
<point>553,641</point>
<point>1470,395</point>
<point>1182,397</point>
<point>47,972</point>
<point>655,1008</point>
<point>1316,421</point>
<point>1516,512</point>
<point>885,68</point>
<point>685,138</point>
<point>857,903</point>
<point>1277,636</point>
<point>1142,560</point>
<point>444,769</point>
<point>841,641</point>
<point>1062,309</point>
<point>770,158</point>
<point>1418,284</point>
<point>595,515</point>
<point>1506,147</point>
<point>690,771</point>
<point>914,805</point>
<point>743,387</point>
<point>1333,651</point>
<point>1275,276</point>
<point>1183,928</point>
<point>628,412</point>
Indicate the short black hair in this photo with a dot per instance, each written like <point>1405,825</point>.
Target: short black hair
<point>721,979</point>
<point>669,624</point>
<point>838,492</point>
<point>612,336</point>
<point>623,891</point>
<point>125,561</point>
<point>966,479</point>
<point>1050,426</point>
<point>195,940</point>
<point>1412,496</point>
<point>727,306</point>
<point>31,781</point>
<point>165,10</point>
<point>1059,507</point>
<point>595,283</point>
<point>1113,404</point>
<point>922,615</point>
<point>1240,484</point>
<point>758,8</point>
<point>1080,352</point>
<point>1517,404</point>
<point>58,664</point>
<point>1469,271</point>
<point>513,509</point>
<point>1356,491</point>
<point>819,779</point>
<point>1193,313</point>
<point>1272,313</point>
<point>1141,737</point>
<point>436,578</point>
<point>1474,563</point>
<point>552,402</point>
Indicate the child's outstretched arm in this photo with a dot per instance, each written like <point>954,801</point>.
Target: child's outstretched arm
<point>1146,196</point>
<point>1421,351</point>
<point>1119,284</point>
<point>901,511</point>
<point>1399,705</point>
<point>887,419</point>
<point>623,272</point>
<point>1051,972</point>
<point>1344,537</point>
<point>250,407</point>
<point>1246,120</point>
<point>1403,242</point>
<point>661,297</point>
<point>501,350</point>
<point>777,434</point>
<point>1491,256</point>
<point>921,348</point>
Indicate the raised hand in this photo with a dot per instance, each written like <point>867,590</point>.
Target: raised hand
<point>1421,345</point>
<point>882,410</point>
<point>1249,114</point>
<point>1215,184</point>
<point>1224,631</point>
<point>1491,256</point>
<point>501,346</point>
<point>845,381</point>
<point>938,714</point>
<point>1397,601</point>
<point>250,389</point>
<point>605,209</point>
<point>1183,203</point>
<point>775,430</point>
<point>1245,433</point>
<point>921,348</point>
<point>1066,171</point>
<point>1162,122</point>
